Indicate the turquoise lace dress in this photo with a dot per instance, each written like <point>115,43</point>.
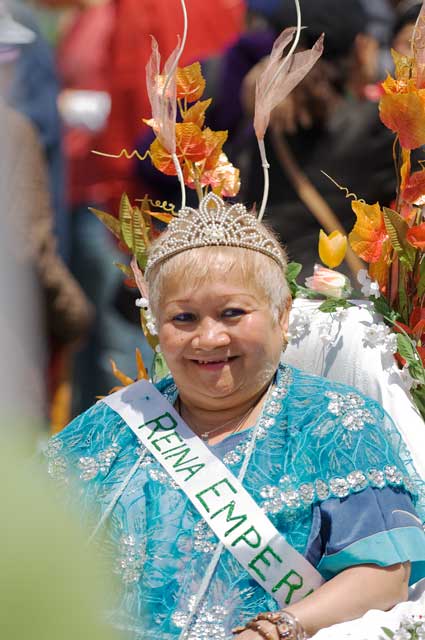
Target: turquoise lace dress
<point>329,468</point>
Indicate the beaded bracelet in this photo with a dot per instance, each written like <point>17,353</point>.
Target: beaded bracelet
<point>287,626</point>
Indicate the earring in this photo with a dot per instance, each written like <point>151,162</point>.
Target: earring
<point>285,341</point>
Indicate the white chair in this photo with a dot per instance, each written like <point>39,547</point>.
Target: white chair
<point>355,347</point>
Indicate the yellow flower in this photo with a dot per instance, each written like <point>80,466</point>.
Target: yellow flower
<point>332,248</point>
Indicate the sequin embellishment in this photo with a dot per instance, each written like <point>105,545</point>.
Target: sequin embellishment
<point>275,499</point>
<point>131,559</point>
<point>209,622</point>
<point>204,539</point>
<point>91,466</point>
<point>350,408</point>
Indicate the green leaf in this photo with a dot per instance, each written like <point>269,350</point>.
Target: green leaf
<point>388,632</point>
<point>126,221</point>
<point>418,396</point>
<point>407,350</point>
<point>109,221</point>
<point>332,305</point>
<point>293,271</point>
<point>126,270</point>
<point>139,244</point>
<point>397,229</point>
<point>382,306</point>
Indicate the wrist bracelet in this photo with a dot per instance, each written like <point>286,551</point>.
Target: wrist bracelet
<point>287,625</point>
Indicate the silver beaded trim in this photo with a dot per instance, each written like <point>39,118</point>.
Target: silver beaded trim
<point>284,496</point>
<point>214,224</point>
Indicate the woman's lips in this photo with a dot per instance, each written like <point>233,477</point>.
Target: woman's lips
<point>213,365</point>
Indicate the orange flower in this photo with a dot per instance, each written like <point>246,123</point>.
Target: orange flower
<point>416,236</point>
<point>369,232</point>
<point>332,248</point>
<point>190,82</point>
<point>402,108</point>
<point>224,179</point>
<point>414,190</point>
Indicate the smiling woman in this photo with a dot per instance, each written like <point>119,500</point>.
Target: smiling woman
<point>240,491</point>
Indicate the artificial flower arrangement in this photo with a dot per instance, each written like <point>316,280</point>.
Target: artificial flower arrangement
<point>391,241</point>
<point>411,628</point>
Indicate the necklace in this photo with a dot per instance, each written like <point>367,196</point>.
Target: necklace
<point>205,436</point>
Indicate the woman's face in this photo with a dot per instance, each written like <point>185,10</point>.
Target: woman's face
<point>219,340</point>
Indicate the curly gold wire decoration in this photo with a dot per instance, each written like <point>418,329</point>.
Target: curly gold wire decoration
<point>348,194</point>
<point>164,205</point>
<point>123,154</point>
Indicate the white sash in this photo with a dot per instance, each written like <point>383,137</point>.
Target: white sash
<point>219,497</point>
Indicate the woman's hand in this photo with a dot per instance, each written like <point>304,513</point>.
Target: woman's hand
<point>267,628</point>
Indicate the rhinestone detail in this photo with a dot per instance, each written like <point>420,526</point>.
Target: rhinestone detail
<point>214,224</point>
<point>350,408</point>
<point>275,499</point>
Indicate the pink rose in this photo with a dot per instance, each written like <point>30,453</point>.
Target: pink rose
<point>328,282</point>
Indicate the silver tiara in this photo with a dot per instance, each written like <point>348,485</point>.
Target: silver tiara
<point>214,224</point>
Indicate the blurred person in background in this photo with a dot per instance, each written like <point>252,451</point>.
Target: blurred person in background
<point>327,124</point>
<point>34,92</point>
<point>404,26</point>
<point>102,54</point>
<point>26,210</point>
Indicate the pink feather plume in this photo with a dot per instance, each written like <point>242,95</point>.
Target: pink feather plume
<point>269,93</point>
<point>164,107</point>
<point>419,48</point>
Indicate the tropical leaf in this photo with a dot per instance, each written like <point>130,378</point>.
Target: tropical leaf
<point>161,158</point>
<point>397,229</point>
<point>404,113</point>
<point>214,141</point>
<point>140,237</point>
<point>109,221</point>
<point>190,82</point>
<point>190,141</point>
<point>126,221</point>
<point>196,113</point>
<point>369,232</point>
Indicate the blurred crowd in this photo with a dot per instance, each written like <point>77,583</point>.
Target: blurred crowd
<point>73,81</point>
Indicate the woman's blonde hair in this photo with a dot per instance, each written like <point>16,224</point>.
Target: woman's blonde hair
<point>257,270</point>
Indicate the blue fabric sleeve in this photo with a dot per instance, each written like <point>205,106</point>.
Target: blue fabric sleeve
<point>375,526</point>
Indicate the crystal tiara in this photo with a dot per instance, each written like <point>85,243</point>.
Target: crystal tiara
<point>214,224</point>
